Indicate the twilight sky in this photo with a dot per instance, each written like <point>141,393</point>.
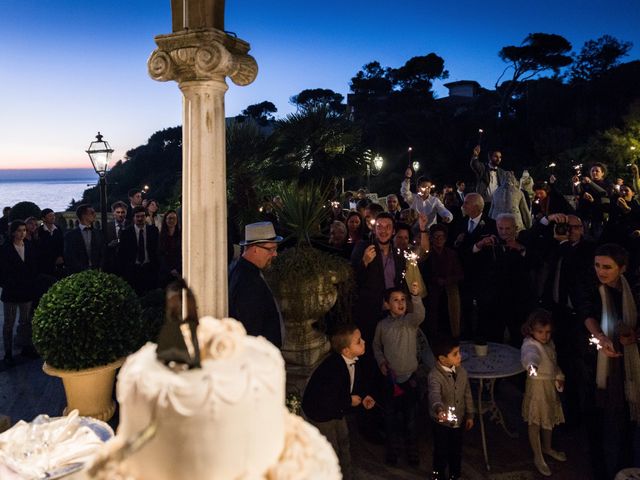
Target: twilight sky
<point>69,68</point>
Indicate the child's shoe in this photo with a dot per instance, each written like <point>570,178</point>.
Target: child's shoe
<point>542,467</point>
<point>556,455</point>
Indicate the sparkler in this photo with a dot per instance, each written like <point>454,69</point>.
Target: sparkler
<point>594,341</point>
<point>533,371</point>
<point>480,132</point>
<point>578,169</point>
<point>411,257</point>
<point>451,415</point>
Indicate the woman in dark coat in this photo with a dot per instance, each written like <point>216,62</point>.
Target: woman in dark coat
<point>613,369</point>
<point>18,279</point>
<point>170,249</point>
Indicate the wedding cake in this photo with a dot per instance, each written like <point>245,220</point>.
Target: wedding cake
<point>226,420</point>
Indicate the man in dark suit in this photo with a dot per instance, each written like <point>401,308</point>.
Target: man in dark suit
<point>504,293</point>
<point>377,266</point>
<point>393,206</point>
<point>250,298</point>
<point>138,253</point>
<point>83,246</point>
<point>114,232</point>
<point>489,176</point>
<point>460,191</point>
<point>570,280</point>
<point>135,200</point>
<point>50,244</point>
<point>471,228</point>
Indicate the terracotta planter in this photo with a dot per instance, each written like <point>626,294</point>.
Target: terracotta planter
<point>89,391</point>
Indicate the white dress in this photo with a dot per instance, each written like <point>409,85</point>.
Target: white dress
<point>541,404</point>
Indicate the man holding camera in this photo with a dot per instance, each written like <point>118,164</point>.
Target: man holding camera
<point>570,279</point>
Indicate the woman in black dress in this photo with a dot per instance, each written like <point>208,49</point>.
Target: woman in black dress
<point>17,278</point>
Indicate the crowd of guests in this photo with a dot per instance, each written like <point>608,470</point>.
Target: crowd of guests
<point>512,262</point>
<point>141,246</point>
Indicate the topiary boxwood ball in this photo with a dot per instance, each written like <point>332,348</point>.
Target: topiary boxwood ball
<point>86,320</point>
<point>24,210</point>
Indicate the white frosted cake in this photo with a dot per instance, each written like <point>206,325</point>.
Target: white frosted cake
<point>226,420</point>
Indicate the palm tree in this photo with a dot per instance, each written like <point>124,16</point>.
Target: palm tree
<point>318,144</point>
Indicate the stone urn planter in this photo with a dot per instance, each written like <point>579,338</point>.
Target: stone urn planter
<point>303,305</point>
<point>90,390</point>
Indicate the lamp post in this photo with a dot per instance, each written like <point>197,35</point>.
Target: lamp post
<point>100,153</point>
<point>377,162</point>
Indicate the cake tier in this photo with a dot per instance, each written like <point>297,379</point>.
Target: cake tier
<point>223,421</point>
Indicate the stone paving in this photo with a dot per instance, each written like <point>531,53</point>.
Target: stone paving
<point>25,391</point>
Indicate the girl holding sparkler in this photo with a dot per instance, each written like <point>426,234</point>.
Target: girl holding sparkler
<point>612,321</point>
<point>541,407</point>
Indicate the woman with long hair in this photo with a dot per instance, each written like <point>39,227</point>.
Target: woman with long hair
<point>355,227</point>
<point>612,320</point>
<point>170,249</point>
<point>153,218</point>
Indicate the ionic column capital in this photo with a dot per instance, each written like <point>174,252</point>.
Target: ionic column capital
<point>206,54</point>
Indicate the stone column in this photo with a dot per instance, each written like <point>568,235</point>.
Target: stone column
<point>199,60</point>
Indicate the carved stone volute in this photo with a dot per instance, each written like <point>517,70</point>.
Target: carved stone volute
<point>205,54</point>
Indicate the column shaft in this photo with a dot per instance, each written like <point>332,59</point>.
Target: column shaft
<point>204,194</point>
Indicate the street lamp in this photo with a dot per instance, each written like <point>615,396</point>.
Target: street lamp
<point>100,153</point>
<point>377,162</point>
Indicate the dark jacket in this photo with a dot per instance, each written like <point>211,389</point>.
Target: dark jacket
<point>251,302</point>
<point>483,177</point>
<point>50,247</point>
<point>17,277</point>
<point>371,287</point>
<point>75,254</point>
<point>128,247</point>
<point>327,396</point>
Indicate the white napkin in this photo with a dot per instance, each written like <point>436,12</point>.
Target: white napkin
<point>32,449</point>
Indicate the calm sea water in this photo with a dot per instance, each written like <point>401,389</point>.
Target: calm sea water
<point>46,188</point>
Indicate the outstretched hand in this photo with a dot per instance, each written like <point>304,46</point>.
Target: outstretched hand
<point>476,151</point>
<point>408,172</point>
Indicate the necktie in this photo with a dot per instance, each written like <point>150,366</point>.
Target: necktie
<point>140,256</point>
<point>454,375</point>
<point>471,225</point>
<point>86,235</point>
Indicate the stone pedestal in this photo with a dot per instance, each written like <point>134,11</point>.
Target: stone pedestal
<point>199,60</point>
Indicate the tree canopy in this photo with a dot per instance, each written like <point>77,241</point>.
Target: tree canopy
<point>597,57</point>
<point>314,98</point>
<point>261,112</point>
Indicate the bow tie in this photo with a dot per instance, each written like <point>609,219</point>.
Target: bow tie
<point>88,228</point>
<point>494,169</point>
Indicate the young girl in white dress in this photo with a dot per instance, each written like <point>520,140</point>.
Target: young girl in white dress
<point>541,407</point>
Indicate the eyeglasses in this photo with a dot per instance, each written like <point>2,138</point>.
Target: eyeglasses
<point>271,250</point>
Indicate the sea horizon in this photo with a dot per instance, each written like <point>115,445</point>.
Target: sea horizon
<point>29,174</point>
<point>53,188</point>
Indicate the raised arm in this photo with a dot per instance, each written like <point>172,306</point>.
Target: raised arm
<point>405,186</point>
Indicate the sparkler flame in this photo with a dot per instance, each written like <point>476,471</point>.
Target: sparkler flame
<point>411,257</point>
<point>533,371</point>
<point>451,415</point>
<point>594,341</point>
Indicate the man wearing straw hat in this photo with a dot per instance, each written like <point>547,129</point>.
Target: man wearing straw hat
<point>250,298</point>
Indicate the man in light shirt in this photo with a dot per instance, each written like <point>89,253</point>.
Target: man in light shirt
<point>423,202</point>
